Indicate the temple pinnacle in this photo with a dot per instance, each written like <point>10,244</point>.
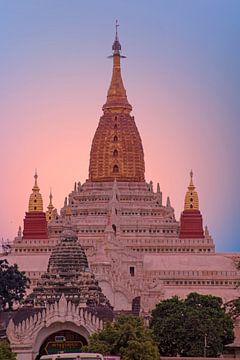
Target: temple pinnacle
<point>35,187</point>
<point>51,211</point>
<point>191,186</point>
<point>116,45</point>
<point>191,198</point>
<point>116,151</point>
<point>35,200</point>
<point>117,101</point>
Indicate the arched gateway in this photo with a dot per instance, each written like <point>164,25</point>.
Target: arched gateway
<point>43,330</point>
<point>64,340</point>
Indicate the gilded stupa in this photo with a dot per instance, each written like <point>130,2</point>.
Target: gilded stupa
<point>51,211</point>
<point>117,151</point>
<point>35,224</point>
<point>191,224</point>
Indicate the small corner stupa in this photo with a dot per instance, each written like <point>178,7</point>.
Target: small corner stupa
<point>191,224</point>
<point>35,223</point>
<point>51,212</point>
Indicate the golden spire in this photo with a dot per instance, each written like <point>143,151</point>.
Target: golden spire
<point>50,209</point>
<point>191,198</point>
<point>35,187</point>
<point>35,200</point>
<point>50,206</point>
<point>117,98</point>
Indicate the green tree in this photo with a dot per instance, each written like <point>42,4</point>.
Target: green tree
<point>192,327</point>
<point>126,337</point>
<point>233,308</point>
<point>13,284</point>
<point>5,351</point>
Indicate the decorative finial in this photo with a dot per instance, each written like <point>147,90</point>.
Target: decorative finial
<point>50,197</point>
<point>116,45</point>
<point>117,98</point>
<point>191,197</point>
<point>35,187</point>
<point>206,232</point>
<point>117,25</point>
<point>191,186</point>
<point>51,211</point>
<point>168,204</point>
<point>19,232</point>
<point>35,177</point>
<point>35,200</point>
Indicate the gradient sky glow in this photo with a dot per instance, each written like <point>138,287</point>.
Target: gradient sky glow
<point>182,78</point>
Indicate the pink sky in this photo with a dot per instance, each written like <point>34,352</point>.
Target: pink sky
<point>180,80</point>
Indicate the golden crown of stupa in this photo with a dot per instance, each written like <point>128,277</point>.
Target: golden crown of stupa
<point>191,197</point>
<point>116,151</point>
<point>35,201</point>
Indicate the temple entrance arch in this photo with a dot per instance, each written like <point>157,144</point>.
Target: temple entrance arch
<point>28,336</point>
<point>63,340</point>
<point>51,339</point>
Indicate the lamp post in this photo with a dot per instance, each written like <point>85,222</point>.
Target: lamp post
<point>205,346</point>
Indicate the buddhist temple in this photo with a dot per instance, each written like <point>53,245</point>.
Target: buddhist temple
<point>125,247</point>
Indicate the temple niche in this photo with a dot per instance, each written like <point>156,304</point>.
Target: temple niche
<point>124,248</point>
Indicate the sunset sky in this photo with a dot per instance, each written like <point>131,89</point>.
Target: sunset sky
<point>182,77</point>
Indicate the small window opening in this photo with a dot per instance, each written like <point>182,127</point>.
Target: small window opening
<point>114,228</point>
<point>132,270</point>
<point>115,169</point>
<point>115,139</point>
<point>115,153</point>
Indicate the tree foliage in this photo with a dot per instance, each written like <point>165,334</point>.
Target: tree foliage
<point>126,337</point>
<point>13,284</point>
<point>233,308</point>
<point>190,327</point>
<point>5,351</point>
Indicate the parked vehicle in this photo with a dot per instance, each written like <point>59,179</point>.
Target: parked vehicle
<point>72,356</point>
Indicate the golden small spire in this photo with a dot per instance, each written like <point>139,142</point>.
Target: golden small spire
<point>50,206</point>
<point>50,209</point>
<point>35,187</point>
<point>35,201</point>
<point>191,197</point>
<point>117,98</point>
